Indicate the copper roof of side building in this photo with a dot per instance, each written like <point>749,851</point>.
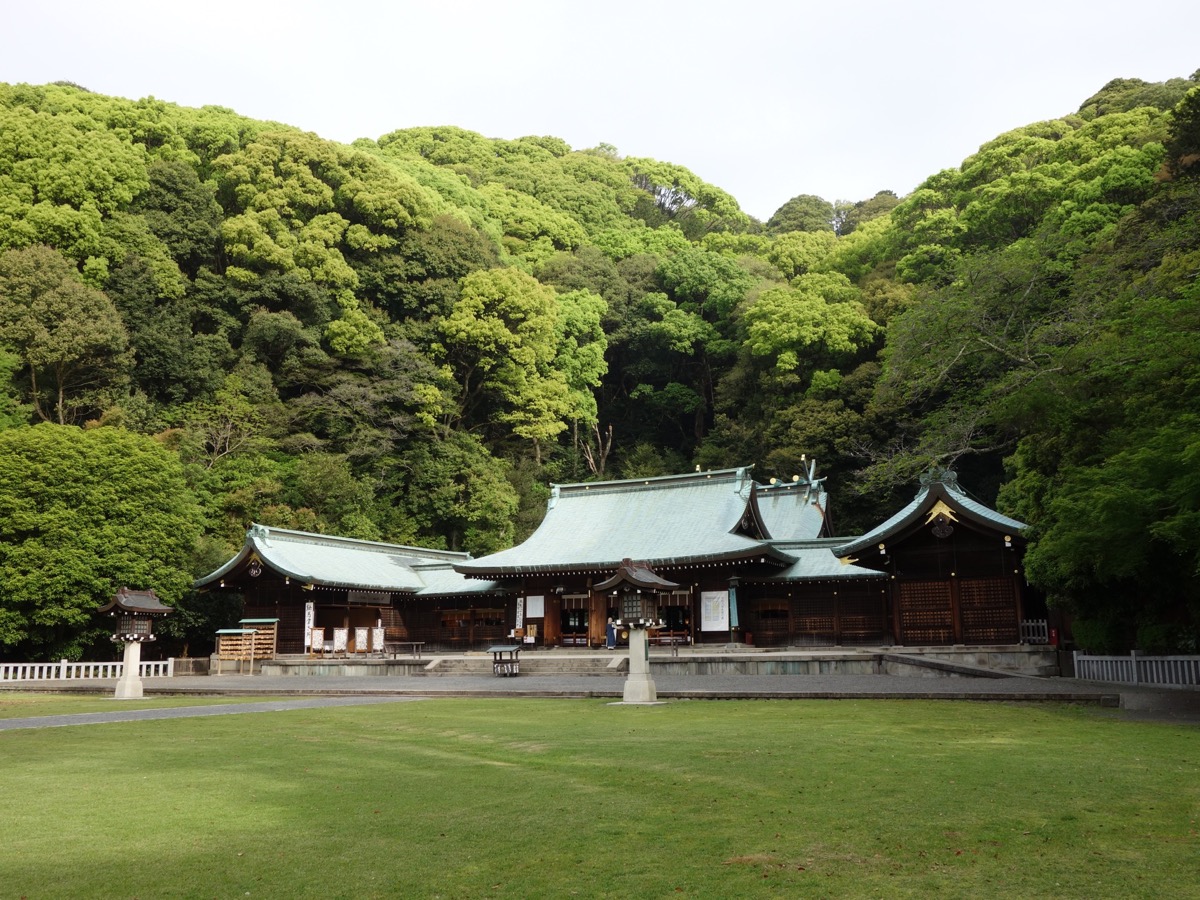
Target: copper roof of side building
<point>337,562</point>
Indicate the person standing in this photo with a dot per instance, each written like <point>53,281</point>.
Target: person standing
<point>610,635</point>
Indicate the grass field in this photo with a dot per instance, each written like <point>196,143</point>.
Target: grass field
<point>578,798</point>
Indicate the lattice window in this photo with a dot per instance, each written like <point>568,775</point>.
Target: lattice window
<point>989,611</point>
<point>926,615</point>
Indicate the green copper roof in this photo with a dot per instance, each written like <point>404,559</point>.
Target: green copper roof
<point>792,511</point>
<point>816,561</point>
<point>672,520</point>
<point>929,495</point>
<point>328,561</point>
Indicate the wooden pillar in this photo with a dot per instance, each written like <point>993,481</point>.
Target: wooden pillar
<point>597,618</point>
<point>956,609</point>
<point>552,623</point>
<point>893,602</point>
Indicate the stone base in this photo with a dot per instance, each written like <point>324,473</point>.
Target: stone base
<point>640,689</point>
<point>129,685</point>
<point>129,688</point>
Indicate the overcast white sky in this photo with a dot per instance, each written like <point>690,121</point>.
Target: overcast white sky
<point>766,99</point>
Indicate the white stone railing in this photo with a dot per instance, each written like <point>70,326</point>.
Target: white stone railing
<point>1158,671</point>
<point>66,671</point>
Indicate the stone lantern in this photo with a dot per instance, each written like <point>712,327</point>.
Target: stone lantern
<point>134,612</point>
<point>635,588</point>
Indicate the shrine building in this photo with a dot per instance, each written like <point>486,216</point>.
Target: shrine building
<point>747,563</point>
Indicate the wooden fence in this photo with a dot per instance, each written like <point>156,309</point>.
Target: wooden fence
<point>1035,631</point>
<point>1157,671</point>
<point>66,671</point>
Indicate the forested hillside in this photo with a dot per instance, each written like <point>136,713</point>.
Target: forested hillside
<point>207,320</point>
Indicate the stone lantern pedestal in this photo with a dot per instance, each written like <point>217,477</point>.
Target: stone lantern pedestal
<point>639,686</point>
<point>129,685</point>
<point>135,612</point>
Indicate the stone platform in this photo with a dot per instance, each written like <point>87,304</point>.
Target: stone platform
<point>731,659</point>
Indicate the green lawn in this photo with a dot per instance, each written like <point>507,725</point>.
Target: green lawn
<point>560,798</point>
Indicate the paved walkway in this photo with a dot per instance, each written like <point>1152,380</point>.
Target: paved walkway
<point>286,691</point>
<point>187,712</point>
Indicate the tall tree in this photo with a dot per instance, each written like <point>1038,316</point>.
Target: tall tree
<point>804,212</point>
<point>501,341</point>
<point>70,337</point>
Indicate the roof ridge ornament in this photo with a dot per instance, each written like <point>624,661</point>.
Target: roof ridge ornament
<point>940,475</point>
<point>940,509</point>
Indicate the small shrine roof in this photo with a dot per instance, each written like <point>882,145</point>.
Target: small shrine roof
<point>137,602</point>
<point>639,575</point>
<point>944,491</point>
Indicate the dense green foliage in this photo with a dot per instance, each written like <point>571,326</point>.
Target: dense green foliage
<point>408,339</point>
<point>80,511</point>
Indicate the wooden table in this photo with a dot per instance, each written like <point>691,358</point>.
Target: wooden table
<point>393,647</point>
<point>504,659</point>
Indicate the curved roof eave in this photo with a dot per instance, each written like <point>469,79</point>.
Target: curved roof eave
<point>763,551</point>
<point>815,560</point>
<point>217,574</point>
<point>972,511</point>
<point>373,566</point>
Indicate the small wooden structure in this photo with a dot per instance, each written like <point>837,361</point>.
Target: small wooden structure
<point>954,567</point>
<point>266,637</point>
<point>238,644</point>
<point>505,660</point>
<point>255,639</point>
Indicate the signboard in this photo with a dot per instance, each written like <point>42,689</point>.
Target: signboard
<point>368,598</point>
<point>714,610</point>
<point>309,621</point>
<point>535,607</point>
<point>520,613</point>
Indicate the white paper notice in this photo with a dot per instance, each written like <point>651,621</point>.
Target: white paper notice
<point>714,610</point>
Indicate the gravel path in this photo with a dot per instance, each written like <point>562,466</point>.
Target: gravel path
<point>301,692</point>
<point>188,712</point>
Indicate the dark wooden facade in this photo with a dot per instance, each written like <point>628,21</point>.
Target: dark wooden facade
<point>819,614</point>
<point>953,567</point>
<point>448,624</point>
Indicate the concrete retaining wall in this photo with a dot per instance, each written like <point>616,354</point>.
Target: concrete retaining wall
<point>938,662</point>
<point>858,664</point>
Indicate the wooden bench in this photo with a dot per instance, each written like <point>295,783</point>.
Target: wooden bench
<point>669,638</point>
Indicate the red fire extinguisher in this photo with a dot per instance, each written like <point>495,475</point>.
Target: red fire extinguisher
<point>1053,637</point>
